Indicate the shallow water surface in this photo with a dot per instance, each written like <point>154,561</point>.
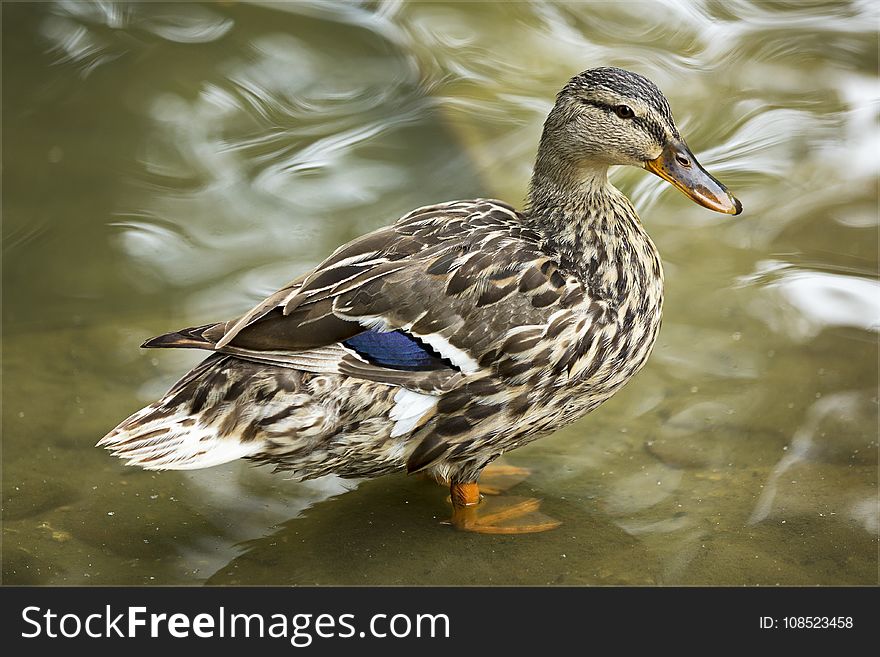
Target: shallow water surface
<point>169,165</point>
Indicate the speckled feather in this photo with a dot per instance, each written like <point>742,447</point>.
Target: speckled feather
<point>533,319</point>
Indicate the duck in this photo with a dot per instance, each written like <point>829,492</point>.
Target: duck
<point>462,331</point>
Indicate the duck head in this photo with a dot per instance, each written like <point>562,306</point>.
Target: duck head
<point>609,116</point>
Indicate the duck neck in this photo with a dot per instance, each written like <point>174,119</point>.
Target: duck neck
<point>557,194</point>
<point>575,208</point>
<point>594,229</point>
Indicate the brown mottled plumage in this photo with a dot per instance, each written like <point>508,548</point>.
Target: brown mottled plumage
<point>462,331</point>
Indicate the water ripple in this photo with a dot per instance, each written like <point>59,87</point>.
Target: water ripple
<point>800,303</point>
<point>92,34</point>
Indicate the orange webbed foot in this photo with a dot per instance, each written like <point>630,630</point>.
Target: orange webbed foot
<point>496,515</point>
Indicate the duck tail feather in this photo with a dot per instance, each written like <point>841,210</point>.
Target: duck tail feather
<point>160,437</point>
<point>196,337</point>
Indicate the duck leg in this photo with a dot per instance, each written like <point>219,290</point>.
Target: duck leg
<point>498,515</point>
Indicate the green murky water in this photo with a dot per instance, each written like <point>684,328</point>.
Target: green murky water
<point>168,165</point>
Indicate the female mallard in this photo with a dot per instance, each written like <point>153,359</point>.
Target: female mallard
<point>462,331</point>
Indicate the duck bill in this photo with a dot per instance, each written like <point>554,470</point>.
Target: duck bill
<point>677,165</point>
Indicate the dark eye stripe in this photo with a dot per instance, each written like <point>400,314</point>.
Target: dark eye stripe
<point>646,124</point>
<point>593,103</point>
<point>616,109</point>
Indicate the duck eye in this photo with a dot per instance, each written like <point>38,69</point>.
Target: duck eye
<point>624,112</point>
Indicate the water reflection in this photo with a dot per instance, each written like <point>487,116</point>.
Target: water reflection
<point>801,303</point>
<point>389,533</point>
<point>203,155</point>
<point>92,34</point>
<point>835,432</point>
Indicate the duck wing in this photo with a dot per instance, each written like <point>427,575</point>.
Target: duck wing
<point>421,304</point>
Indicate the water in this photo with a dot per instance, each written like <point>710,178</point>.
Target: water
<point>168,165</point>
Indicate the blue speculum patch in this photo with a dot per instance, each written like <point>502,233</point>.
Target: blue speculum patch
<point>396,350</point>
